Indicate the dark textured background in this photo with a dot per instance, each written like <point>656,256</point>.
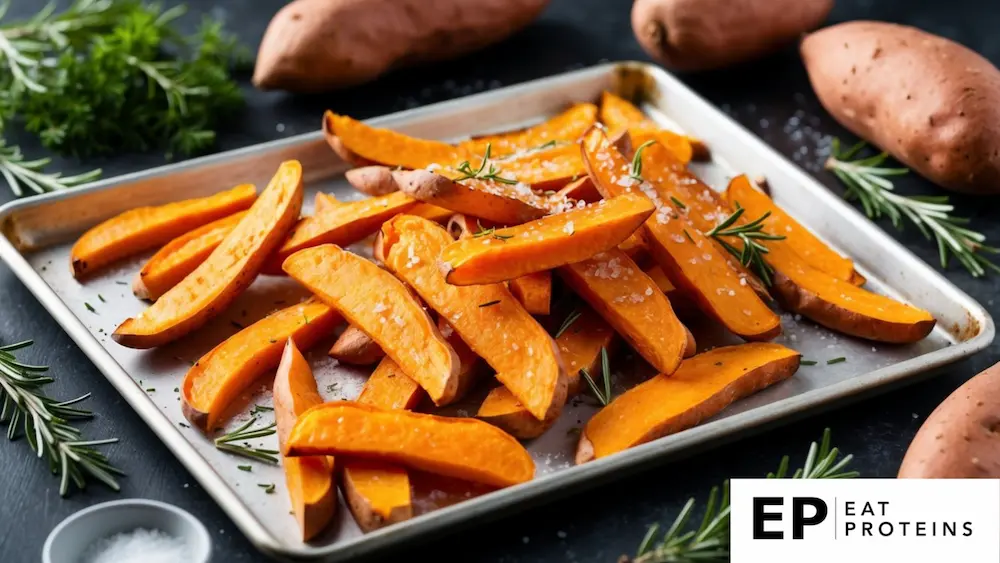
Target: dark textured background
<point>596,526</point>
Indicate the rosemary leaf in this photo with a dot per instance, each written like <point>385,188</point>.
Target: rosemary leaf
<point>568,322</point>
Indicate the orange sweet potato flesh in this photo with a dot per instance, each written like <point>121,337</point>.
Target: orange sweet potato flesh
<point>380,305</point>
<point>615,287</point>
<point>581,189</point>
<point>470,362</point>
<point>389,388</point>
<point>533,291</point>
<point>620,115</point>
<point>230,269</point>
<point>356,348</point>
<point>813,251</point>
<point>487,317</point>
<point>431,212</point>
<point>143,228</point>
<point>231,367</point>
<point>388,147</point>
<point>502,409</point>
<point>494,201</point>
<point>323,201</point>
<point>544,244</point>
<point>309,479</point>
<point>581,343</point>
<point>180,257</point>
<point>661,280</point>
<point>692,261</point>
<point>464,448</point>
<point>702,387</point>
<point>567,126</point>
<point>342,225</point>
<point>549,168</point>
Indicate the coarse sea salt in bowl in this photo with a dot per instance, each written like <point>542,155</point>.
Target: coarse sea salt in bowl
<point>124,531</point>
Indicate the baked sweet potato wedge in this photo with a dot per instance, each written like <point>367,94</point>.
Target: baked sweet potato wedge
<point>620,115</point>
<point>310,482</point>
<point>180,257</point>
<point>227,370</point>
<point>431,212</point>
<point>546,243</point>
<point>342,225</point>
<point>545,168</point>
<point>143,228</point>
<point>323,201</point>
<point>581,189</point>
<point>356,348</point>
<point>494,201</point>
<point>470,363</point>
<point>580,345</point>
<point>694,264</point>
<point>533,291</point>
<point>377,303</point>
<point>661,280</point>
<point>702,387</point>
<point>389,388</point>
<point>502,409</point>
<point>486,317</point>
<point>230,269</point>
<point>567,126</point>
<point>813,251</point>
<point>464,448</point>
<point>372,180</point>
<point>387,147</point>
<point>615,287</point>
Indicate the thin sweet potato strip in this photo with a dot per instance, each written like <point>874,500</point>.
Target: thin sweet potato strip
<point>464,448</point>
<point>702,387</point>
<point>546,243</point>
<point>543,169</point>
<point>230,269</point>
<point>502,409</point>
<point>377,303</point>
<point>356,348</point>
<point>469,362</point>
<point>533,291</point>
<point>143,228</point>
<point>628,300</point>
<point>389,388</point>
<point>620,115</point>
<point>567,126</point>
<point>487,317</point>
<point>344,224</point>
<point>310,481</point>
<point>231,367</point>
<point>180,257</point>
<point>692,261</point>
<point>388,147</point>
<point>813,251</point>
<point>495,201</point>
<point>323,201</point>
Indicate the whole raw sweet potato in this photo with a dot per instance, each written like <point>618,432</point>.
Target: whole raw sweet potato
<point>692,35</point>
<point>930,102</point>
<point>317,45</point>
<point>959,439</point>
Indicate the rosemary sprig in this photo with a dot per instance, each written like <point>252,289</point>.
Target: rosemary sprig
<point>483,173</point>
<point>490,232</point>
<point>635,170</point>
<point>568,322</point>
<point>19,172</point>
<point>604,397</point>
<point>710,540</point>
<point>46,425</point>
<point>752,253</point>
<point>866,180</point>
<point>244,433</point>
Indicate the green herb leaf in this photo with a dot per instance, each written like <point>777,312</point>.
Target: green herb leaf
<point>489,303</point>
<point>752,253</point>
<point>836,361</point>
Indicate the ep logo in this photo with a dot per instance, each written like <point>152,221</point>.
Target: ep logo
<point>805,511</point>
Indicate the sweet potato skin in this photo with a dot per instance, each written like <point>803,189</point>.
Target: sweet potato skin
<point>229,270</point>
<point>363,479</point>
<point>926,100</point>
<point>356,348</point>
<point>959,439</point>
<point>320,45</point>
<point>372,180</point>
<point>472,197</point>
<point>692,35</point>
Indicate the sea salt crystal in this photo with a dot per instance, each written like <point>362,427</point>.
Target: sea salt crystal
<point>568,229</point>
<point>379,307</point>
<point>649,291</point>
<point>140,545</point>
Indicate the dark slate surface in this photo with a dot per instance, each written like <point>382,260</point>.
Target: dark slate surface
<point>596,526</point>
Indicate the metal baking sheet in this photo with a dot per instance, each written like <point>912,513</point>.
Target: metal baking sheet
<point>39,231</point>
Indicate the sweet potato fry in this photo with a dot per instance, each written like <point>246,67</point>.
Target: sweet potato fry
<point>387,147</point>
<point>581,343</point>
<point>546,243</point>
<point>356,348</point>
<point>656,274</point>
<point>180,257</point>
<point>389,388</point>
<point>480,198</point>
<point>702,387</point>
<point>628,300</point>
<point>487,317</point>
<point>581,189</point>
<point>533,291</point>
<point>224,372</point>
<point>231,267</point>
<point>620,115</point>
<point>342,151</point>
<point>567,126</point>
<point>502,409</point>
<point>464,448</point>
<point>372,180</point>
<point>543,169</point>
<point>143,228</point>
<point>692,261</point>
<point>380,305</point>
<point>813,251</point>
<point>342,225</point>
<point>309,479</point>
<point>323,201</point>
<point>470,363</point>
<point>431,212</point>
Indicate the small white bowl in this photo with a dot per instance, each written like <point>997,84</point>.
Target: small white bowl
<point>71,539</point>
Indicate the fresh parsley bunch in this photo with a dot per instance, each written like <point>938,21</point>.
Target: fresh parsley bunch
<point>109,75</point>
